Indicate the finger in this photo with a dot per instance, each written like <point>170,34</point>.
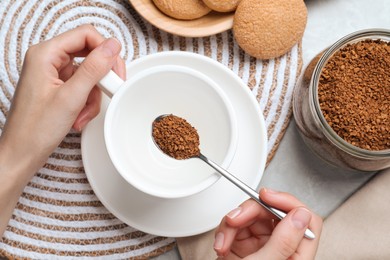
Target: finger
<point>280,200</point>
<point>224,238</point>
<point>90,111</point>
<point>251,239</point>
<point>82,53</point>
<point>230,256</point>
<point>94,67</point>
<point>240,249</point>
<point>308,248</point>
<point>248,212</point>
<point>57,50</point>
<point>248,227</point>
<point>120,68</point>
<point>261,228</point>
<point>243,248</point>
<point>286,202</point>
<point>66,72</point>
<point>83,37</point>
<point>256,228</point>
<point>287,236</point>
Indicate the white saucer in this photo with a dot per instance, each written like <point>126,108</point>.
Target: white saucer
<point>194,214</point>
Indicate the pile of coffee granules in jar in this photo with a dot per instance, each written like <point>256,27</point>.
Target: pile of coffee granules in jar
<point>176,137</point>
<point>354,94</point>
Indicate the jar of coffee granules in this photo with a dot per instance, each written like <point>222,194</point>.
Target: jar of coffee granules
<point>341,103</point>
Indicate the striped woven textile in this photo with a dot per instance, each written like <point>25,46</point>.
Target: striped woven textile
<point>58,216</point>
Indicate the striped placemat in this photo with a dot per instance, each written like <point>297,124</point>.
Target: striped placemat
<point>58,215</point>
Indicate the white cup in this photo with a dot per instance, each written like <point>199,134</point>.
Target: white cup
<point>167,89</point>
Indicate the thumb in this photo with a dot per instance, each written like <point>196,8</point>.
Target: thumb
<point>95,66</point>
<point>286,236</point>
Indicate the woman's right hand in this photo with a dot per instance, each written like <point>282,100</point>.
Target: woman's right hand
<point>252,232</point>
<point>52,95</point>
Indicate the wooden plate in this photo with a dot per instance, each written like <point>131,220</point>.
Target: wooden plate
<point>207,25</point>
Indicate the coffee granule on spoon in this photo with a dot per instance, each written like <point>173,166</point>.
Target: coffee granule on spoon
<point>176,137</point>
<point>354,94</point>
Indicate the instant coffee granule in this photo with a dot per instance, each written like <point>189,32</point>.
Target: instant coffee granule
<point>354,94</point>
<point>176,137</point>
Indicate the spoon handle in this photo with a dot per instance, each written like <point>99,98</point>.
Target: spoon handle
<point>248,190</point>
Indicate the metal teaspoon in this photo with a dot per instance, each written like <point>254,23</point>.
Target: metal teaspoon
<point>244,187</point>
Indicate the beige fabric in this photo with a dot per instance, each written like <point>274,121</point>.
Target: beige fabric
<point>360,228</point>
<point>198,247</point>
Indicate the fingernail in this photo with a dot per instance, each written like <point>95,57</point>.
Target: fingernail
<point>81,126</point>
<point>234,213</point>
<point>271,191</point>
<point>301,218</point>
<point>111,47</point>
<point>84,121</point>
<point>219,239</point>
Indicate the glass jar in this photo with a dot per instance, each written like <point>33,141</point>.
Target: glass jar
<point>313,127</point>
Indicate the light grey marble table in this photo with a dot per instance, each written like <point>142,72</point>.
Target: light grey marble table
<point>294,168</point>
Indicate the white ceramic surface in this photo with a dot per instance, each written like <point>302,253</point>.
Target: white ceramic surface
<point>177,90</point>
<point>193,214</point>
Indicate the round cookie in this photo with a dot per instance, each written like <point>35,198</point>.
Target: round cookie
<point>267,29</point>
<point>183,9</point>
<point>222,5</point>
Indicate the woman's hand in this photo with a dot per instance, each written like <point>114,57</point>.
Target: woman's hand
<point>52,95</point>
<point>252,232</point>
